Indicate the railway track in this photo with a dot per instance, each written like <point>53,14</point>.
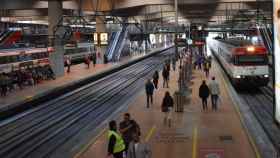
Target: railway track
<point>260,102</point>
<point>55,126</point>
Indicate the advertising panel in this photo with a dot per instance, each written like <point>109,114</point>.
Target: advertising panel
<point>95,38</point>
<point>103,38</point>
<point>276,21</point>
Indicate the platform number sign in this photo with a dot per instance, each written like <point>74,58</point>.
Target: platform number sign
<point>276,22</point>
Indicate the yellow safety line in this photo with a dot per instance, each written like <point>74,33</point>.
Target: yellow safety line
<point>89,144</point>
<point>149,135</point>
<point>29,97</point>
<point>194,145</point>
<point>252,142</point>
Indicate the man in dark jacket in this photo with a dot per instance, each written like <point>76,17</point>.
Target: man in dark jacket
<point>166,108</point>
<point>149,92</point>
<point>128,127</point>
<point>204,94</point>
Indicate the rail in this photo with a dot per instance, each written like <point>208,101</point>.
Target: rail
<point>63,122</point>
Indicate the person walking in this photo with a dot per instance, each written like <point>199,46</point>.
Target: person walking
<point>214,91</point>
<point>204,94</point>
<point>116,145</point>
<point>127,128</point>
<point>165,75</point>
<point>155,79</point>
<point>149,92</point>
<point>166,108</point>
<point>137,149</point>
<point>206,68</point>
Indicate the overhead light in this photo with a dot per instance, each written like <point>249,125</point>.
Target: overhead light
<point>238,76</point>
<point>266,76</point>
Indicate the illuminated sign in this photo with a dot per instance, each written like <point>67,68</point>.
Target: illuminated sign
<point>276,22</point>
<point>95,38</point>
<point>103,38</point>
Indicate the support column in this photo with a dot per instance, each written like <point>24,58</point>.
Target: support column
<point>55,12</point>
<point>100,27</point>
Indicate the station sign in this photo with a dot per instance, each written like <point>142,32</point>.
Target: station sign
<point>276,23</point>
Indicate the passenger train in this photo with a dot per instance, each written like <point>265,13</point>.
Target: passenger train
<point>10,61</point>
<point>245,63</point>
<point>78,51</point>
<point>14,60</point>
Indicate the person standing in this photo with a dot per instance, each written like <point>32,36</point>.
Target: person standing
<point>137,149</point>
<point>3,84</point>
<point>166,108</point>
<point>127,128</point>
<point>204,94</point>
<point>93,59</point>
<point>87,61</point>
<point>116,145</point>
<point>155,79</point>
<point>149,92</point>
<point>174,64</point>
<point>165,75</point>
<point>68,64</point>
<point>214,91</point>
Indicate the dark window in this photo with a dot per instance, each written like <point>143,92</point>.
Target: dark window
<point>252,60</point>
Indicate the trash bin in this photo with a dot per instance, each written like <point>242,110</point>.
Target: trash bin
<point>179,101</point>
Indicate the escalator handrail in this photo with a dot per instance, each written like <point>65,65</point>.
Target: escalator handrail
<point>113,48</point>
<point>110,43</point>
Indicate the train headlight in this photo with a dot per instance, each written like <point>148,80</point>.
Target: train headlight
<point>266,76</point>
<point>251,49</point>
<point>238,76</point>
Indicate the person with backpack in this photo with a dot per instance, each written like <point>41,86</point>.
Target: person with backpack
<point>166,108</point>
<point>204,94</point>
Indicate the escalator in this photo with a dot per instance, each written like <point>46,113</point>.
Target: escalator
<point>120,44</point>
<point>4,36</point>
<point>267,38</point>
<point>112,44</point>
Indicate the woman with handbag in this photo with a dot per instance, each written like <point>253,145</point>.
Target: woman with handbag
<point>166,107</point>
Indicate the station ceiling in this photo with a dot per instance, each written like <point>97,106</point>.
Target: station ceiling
<point>209,12</point>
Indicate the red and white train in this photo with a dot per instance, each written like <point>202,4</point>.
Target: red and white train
<point>245,63</point>
<point>11,61</point>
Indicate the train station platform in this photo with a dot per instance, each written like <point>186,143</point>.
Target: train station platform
<point>193,133</point>
<point>78,73</point>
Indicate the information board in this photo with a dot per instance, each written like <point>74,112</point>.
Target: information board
<point>276,22</point>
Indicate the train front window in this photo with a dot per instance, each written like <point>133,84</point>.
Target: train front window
<point>252,60</point>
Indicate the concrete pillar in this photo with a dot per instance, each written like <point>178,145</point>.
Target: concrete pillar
<point>55,12</point>
<point>100,27</point>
